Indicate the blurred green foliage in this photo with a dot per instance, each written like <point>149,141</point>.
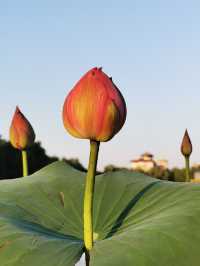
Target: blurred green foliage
<point>174,174</point>
<point>11,162</point>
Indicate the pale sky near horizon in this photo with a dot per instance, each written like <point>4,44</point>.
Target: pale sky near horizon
<point>150,48</point>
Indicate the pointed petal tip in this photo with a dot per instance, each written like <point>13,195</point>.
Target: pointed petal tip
<point>17,110</point>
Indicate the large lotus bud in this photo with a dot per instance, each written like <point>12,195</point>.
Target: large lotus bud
<point>186,146</point>
<point>94,109</point>
<point>21,132</point>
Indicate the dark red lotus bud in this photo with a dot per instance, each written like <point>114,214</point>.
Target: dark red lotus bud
<point>186,146</point>
<point>21,132</point>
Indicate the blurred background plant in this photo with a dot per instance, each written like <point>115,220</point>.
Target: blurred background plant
<point>10,160</point>
<point>10,164</point>
<point>174,174</point>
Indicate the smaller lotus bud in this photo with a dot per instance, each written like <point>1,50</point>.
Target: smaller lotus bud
<point>21,132</point>
<point>186,146</point>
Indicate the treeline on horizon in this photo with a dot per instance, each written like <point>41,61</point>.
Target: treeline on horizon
<point>10,163</point>
<point>175,174</point>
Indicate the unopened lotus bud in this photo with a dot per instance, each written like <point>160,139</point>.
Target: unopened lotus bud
<point>21,132</point>
<point>186,146</point>
<point>94,109</point>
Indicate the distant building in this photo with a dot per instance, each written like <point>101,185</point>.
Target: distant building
<point>146,162</point>
<point>162,163</point>
<point>196,173</point>
<point>196,165</point>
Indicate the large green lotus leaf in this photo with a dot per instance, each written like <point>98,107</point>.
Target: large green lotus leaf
<point>138,220</point>
<point>40,218</point>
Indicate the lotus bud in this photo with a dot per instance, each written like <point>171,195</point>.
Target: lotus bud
<point>186,146</point>
<point>94,109</point>
<point>21,132</point>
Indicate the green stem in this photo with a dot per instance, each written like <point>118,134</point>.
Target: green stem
<point>88,196</point>
<point>187,168</point>
<point>24,163</point>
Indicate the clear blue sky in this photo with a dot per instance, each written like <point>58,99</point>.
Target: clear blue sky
<point>151,48</point>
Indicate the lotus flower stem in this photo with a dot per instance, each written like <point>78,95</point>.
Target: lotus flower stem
<point>187,168</point>
<point>87,258</point>
<point>24,163</point>
<point>96,110</point>
<point>89,194</point>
